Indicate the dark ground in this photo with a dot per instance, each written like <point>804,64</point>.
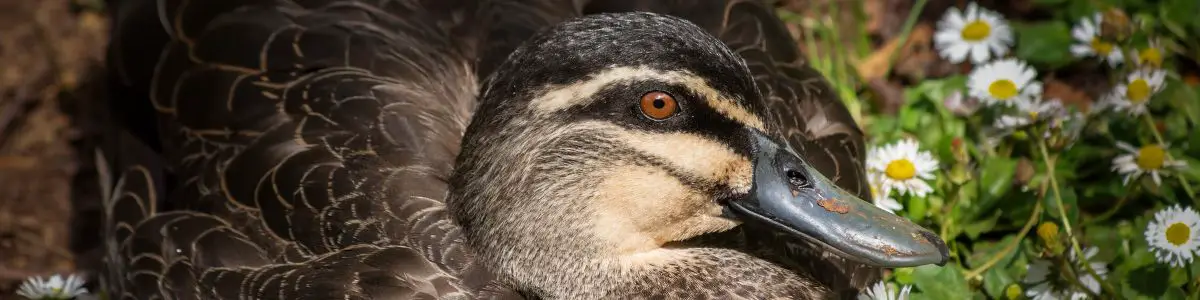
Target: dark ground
<point>50,60</point>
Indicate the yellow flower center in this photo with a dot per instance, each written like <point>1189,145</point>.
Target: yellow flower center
<point>1138,91</point>
<point>1151,157</point>
<point>1150,56</point>
<point>1003,89</point>
<point>1100,46</point>
<point>901,169</point>
<point>1178,234</point>
<point>976,31</point>
<point>1048,231</point>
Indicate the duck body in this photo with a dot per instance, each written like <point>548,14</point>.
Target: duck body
<point>411,149</point>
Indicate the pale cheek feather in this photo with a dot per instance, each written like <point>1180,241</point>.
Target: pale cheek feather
<point>639,208</point>
<point>698,156</point>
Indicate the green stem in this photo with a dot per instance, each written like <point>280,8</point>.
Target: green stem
<point>904,33</point>
<point>1033,217</point>
<point>1158,137</point>
<point>1192,280</point>
<point>946,215</point>
<point>1062,213</point>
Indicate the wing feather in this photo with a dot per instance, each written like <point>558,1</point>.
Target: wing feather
<point>308,143</point>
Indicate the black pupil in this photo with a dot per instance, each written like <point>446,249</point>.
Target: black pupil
<point>659,103</point>
<point>796,178</point>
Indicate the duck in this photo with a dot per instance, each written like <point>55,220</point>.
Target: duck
<point>486,149</point>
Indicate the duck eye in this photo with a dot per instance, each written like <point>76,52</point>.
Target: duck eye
<point>797,179</point>
<point>659,105</point>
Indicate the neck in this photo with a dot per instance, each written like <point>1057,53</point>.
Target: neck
<point>688,273</point>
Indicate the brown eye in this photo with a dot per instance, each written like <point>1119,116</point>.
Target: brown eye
<point>659,105</point>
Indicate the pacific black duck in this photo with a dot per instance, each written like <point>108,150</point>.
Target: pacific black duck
<point>420,149</point>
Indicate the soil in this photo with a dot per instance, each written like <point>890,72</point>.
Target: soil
<point>51,57</point>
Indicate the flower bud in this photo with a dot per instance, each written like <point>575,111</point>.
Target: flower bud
<point>1048,231</point>
<point>1116,25</point>
<point>1013,291</point>
<point>1020,135</point>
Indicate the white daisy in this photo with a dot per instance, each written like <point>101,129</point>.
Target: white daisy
<point>883,291</point>
<point>1038,109</point>
<point>1087,33</point>
<point>1172,235</point>
<point>1011,122</point>
<point>1031,111</point>
<point>1105,103</point>
<point>1047,283</point>
<point>903,167</point>
<point>977,31</point>
<point>1147,159</point>
<point>55,288</point>
<point>880,195</point>
<point>1137,90</point>
<point>1070,124</point>
<point>1004,82</point>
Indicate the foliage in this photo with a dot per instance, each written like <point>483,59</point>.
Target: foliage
<point>1003,199</point>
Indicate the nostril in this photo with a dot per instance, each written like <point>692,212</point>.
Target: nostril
<point>797,178</point>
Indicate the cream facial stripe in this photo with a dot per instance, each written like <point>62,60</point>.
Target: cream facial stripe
<point>693,154</point>
<point>559,97</point>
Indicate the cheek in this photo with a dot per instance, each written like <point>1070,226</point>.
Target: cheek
<point>738,174</point>
<point>641,208</point>
<point>697,156</point>
<point>649,197</point>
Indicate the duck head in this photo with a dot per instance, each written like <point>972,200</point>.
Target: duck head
<point>604,139</point>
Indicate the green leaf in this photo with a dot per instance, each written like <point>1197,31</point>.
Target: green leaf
<point>986,249</point>
<point>911,119</point>
<point>883,127</point>
<point>1140,258</point>
<point>934,91</point>
<point>996,180</point>
<point>1104,238</point>
<point>1179,277</point>
<point>974,229</point>
<point>904,275</point>
<point>1069,201</point>
<point>995,280</point>
<point>1178,13</point>
<point>940,282</point>
<point>1174,293</point>
<point>1183,98</point>
<point>1195,150</point>
<point>1049,2</point>
<point>1194,269</point>
<point>1150,281</point>
<point>916,207</point>
<point>1044,43</point>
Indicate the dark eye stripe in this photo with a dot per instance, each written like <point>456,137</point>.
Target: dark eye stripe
<point>620,104</point>
<point>704,185</point>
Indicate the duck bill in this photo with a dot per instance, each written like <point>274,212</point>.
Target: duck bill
<point>797,199</point>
